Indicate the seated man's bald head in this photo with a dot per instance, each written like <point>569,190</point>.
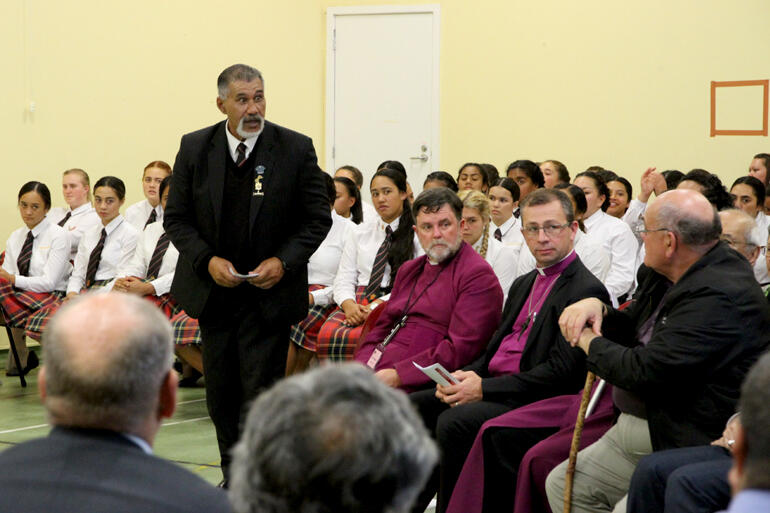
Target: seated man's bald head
<point>105,358</point>
<point>688,214</point>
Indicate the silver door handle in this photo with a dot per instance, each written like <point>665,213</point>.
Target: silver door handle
<point>423,157</point>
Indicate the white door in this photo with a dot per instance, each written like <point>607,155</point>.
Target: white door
<point>382,90</point>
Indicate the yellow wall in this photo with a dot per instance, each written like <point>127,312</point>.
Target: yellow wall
<point>621,84</point>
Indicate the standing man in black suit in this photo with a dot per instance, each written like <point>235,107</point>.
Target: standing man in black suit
<point>246,210</point>
<point>107,384</point>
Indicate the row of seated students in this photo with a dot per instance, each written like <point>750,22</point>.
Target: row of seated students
<point>611,227</point>
<point>61,252</point>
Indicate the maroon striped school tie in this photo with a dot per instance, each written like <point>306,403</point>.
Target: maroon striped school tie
<point>151,218</point>
<point>157,257</point>
<point>378,269</point>
<point>94,259</point>
<point>65,219</point>
<point>241,154</point>
<point>22,263</point>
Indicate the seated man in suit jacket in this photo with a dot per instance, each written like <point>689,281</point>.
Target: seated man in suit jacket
<point>107,384</point>
<point>677,376</point>
<point>527,359</point>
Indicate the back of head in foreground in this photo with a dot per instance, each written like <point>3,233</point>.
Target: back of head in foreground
<point>331,440</point>
<point>751,452</point>
<point>107,365</point>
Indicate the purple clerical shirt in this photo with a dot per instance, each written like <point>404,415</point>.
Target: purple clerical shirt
<point>508,356</point>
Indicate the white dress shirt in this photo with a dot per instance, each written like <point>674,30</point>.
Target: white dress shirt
<point>590,251</point>
<point>140,263</point>
<point>323,264</point>
<point>82,218</point>
<point>508,231</point>
<point>361,244</point>
<point>118,250</point>
<point>138,213</point>
<point>621,244</point>
<point>369,212</point>
<point>49,266</point>
<point>760,266</point>
<point>502,259</point>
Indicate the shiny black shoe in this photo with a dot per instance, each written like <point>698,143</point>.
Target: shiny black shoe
<point>32,362</point>
<point>224,484</point>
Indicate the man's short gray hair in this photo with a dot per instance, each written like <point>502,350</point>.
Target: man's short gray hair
<point>692,230</point>
<point>748,226</point>
<point>235,72</point>
<point>755,419</point>
<point>119,390</point>
<point>334,439</point>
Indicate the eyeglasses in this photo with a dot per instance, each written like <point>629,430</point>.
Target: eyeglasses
<point>644,231</point>
<point>550,230</point>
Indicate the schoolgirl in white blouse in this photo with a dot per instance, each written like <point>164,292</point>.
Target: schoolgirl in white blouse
<point>149,210</point>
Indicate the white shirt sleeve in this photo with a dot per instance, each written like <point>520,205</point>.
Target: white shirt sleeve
<point>347,273</point>
<point>55,265</point>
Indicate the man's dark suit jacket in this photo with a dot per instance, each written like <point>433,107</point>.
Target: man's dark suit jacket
<point>289,222</point>
<point>549,366</point>
<point>93,471</point>
<point>713,325</point>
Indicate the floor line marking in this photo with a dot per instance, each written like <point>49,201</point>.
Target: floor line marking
<point>191,401</point>
<point>23,429</point>
<point>177,422</point>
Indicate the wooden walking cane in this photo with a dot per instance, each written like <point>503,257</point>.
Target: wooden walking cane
<point>577,433</point>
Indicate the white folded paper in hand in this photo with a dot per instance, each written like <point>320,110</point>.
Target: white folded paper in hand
<point>438,373</point>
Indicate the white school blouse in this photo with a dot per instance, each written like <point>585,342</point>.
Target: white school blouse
<point>82,218</point>
<point>138,213</point>
<point>49,266</point>
<point>140,263</point>
<point>323,264</point>
<point>118,250</point>
<point>508,230</point>
<point>760,266</point>
<point>590,251</point>
<point>361,244</point>
<point>621,244</point>
<point>503,260</point>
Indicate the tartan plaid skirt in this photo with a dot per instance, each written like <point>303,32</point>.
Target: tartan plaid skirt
<point>166,303</point>
<point>37,322</point>
<point>305,333</point>
<point>337,342</point>
<point>18,305</point>
<point>186,329</point>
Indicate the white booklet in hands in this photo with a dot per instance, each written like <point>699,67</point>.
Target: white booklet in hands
<point>438,373</point>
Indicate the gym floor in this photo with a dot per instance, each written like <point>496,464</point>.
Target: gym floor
<point>187,438</point>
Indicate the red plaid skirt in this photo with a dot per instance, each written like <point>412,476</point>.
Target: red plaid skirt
<point>18,305</point>
<point>186,330</point>
<point>166,304</point>
<point>337,342</point>
<point>37,322</point>
<point>305,333</point>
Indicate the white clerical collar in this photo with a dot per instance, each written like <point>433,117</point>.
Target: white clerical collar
<point>233,142</point>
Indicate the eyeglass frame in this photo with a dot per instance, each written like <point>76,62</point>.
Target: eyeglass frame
<point>532,232</point>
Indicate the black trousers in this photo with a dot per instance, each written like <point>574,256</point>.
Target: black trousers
<point>241,357</point>
<point>455,429</point>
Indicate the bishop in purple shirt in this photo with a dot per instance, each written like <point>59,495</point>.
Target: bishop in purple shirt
<point>450,298</point>
<point>526,359</point>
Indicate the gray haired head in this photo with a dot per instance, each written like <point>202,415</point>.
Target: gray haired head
<point>234,73</point>
<point>693,229</point>
<point>106,356</point>
<point>334,439</point>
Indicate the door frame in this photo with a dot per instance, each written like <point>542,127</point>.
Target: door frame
<point>331,14</point>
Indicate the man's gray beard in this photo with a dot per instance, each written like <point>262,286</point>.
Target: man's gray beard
<point>451,251</point>
<point>248,135</point>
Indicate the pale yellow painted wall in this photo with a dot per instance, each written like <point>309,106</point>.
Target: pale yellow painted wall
<point>621,84</point>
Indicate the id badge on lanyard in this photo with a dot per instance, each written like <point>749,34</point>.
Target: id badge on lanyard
<point>380,349</point>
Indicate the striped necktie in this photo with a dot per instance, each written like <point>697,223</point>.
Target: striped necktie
<point>499,235</point>
<point>157,257</point>
<point>94,259</point>
<point>65,219</point>
<point>380,261</point>
<point>151,218</point>
<point>22,263</point>
<point>241,155</point>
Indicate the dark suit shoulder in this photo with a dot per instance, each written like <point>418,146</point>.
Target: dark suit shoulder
<point>90,472</point>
